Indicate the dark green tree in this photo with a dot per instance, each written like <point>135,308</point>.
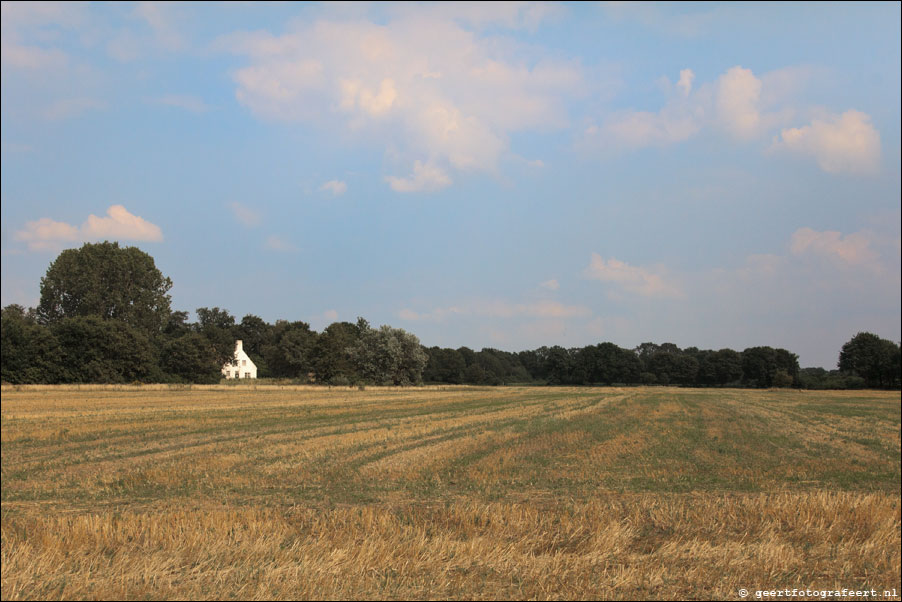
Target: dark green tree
<point>759,366</point>
<point>559,366</point>
<point>332,354</point>
<point>218,327</point>
<point>723,367</point>
<point>444,366</point>
<point>109,282</point>
<point>874,359</point>
<point>191,358</point>
<point>104,351</point>
<point>30,353</point>
<point>290,355</point>
<point>787,373</point>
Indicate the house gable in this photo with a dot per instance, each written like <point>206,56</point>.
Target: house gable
<point>241,365</point>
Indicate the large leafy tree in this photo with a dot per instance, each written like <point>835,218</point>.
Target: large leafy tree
<point>290,355</point>
<point>769,367</point>
<point>332,354</point>
<point>218,326</point>
<point>874,359</point>
<point>109,282</point>
<point>388,356</point>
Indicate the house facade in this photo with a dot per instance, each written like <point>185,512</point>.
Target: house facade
<point>241,366</point>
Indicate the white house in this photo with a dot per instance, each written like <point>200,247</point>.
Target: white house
<point>241,366</point>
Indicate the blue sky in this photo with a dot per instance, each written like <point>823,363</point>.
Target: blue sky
<point>502,175</point>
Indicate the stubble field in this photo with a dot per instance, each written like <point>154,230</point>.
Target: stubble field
<point>460,493</point>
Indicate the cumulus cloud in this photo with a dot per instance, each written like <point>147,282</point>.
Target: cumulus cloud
<point>852,249</point>
<point>425,86</point>
<point>633,279</point>
<point>336,187</point>
<point>737,101</point>
<point>425,178</point>
<point>374,102</point>
<point>685,82</point>
<point>839,143</point>
<point>46,234</point>
<point>119,224</point>
<point>681,118</point>
<point>640,129</point>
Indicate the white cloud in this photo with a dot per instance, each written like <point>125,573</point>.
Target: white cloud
<point>639,129</point>
<point>839,143</point>
<point>737,101</point>
<point>119,223</point>
<point>633,279</point>
<point>354,95</point>
<point>421,84</point>
<point>852,249</point>
<point>425,178</point>
<point>551,285</point>
<point>22,18</point>
<point>47,234</point>
<point>330,314</point>
<point>336,187</point>
<point>680,119</point>
<point>685,82</point>
<point>245,215</point>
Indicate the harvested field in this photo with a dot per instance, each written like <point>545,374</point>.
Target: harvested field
<point>457,493</point>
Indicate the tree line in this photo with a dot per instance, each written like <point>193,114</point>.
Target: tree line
<point>105,316</point>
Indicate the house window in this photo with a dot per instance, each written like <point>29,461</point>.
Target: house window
<point>244,362</point>
<point>247,375</point>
